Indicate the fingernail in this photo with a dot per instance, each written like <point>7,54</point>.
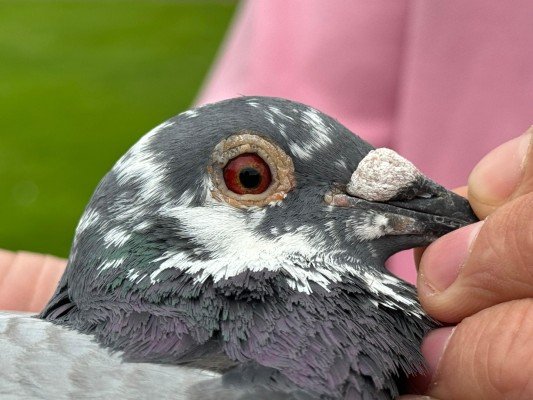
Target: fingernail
<point>433,348</point>
<point>497,175</point>
<point>444,258</point>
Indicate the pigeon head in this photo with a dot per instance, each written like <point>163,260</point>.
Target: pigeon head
<point>253,233</point>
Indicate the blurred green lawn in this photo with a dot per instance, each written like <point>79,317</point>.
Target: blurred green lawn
<point>80,82</point>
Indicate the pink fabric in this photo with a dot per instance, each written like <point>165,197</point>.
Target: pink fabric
<point>441,82</point>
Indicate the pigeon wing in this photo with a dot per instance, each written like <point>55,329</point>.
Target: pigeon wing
<point>43,360</point>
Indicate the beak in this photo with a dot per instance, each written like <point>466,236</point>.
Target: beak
<point>429,215</point>
<point>387,185</point>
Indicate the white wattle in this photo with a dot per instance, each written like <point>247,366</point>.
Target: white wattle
<point>381,175</point>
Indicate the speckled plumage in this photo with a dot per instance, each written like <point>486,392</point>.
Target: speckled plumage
<point>290,300</point>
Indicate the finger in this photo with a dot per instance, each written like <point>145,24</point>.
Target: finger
<point>480,265</point>
<point>488,356</point>
<point>503,174</point>
<point>28,280</point>
<point>45,286</point>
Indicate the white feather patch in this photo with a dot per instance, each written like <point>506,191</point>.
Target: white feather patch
<point>235,247</point>
<point>140,166</point>
<point>116,237</point>
<point>388,288</point>
<point>373,226</point>
<point>89,218</point>
<point>190,113</point>
<point>319,136</point>
<point>111,264</point>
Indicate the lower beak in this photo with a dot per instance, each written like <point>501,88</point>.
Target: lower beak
<point>431,216</point>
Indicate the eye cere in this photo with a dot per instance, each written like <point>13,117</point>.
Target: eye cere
<point>248,170</point>
<point>247,174</point>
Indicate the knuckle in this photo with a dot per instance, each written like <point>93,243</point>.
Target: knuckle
<point>519,229</point>
<point>502,355</point>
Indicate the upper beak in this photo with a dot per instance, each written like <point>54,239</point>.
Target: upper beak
<point>432,215</point>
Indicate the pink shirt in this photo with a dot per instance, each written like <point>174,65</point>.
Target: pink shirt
<point>440,82</point>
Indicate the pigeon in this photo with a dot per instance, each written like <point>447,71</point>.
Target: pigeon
<point>237,251</point>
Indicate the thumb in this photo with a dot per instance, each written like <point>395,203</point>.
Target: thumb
<point>502,175</point>
<point>487,356</point>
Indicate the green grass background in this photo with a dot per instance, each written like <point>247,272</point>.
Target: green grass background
<point>80,82</point>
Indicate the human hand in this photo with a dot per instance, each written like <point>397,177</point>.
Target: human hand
<point>480,277</point>
<point>27,281</point>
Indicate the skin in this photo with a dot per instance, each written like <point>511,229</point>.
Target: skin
<point>28,280</point>
<point>478,279</point>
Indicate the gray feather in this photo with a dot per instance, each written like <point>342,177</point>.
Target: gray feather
<point>46,361</point>
<point>289,298</point>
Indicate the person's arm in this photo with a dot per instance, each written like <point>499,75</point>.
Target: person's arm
<point>28,280</point>
<point>480,278</point>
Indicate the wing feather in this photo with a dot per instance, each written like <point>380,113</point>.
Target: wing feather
<point>41,360</point>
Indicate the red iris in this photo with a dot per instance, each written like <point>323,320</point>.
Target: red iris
<point>247,174</point>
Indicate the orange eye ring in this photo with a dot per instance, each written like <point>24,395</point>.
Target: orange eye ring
<point>248,170</point>
<point>247,173</point>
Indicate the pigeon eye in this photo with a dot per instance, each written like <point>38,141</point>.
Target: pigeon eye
<point>249,170</point>
<point>247,174</point>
